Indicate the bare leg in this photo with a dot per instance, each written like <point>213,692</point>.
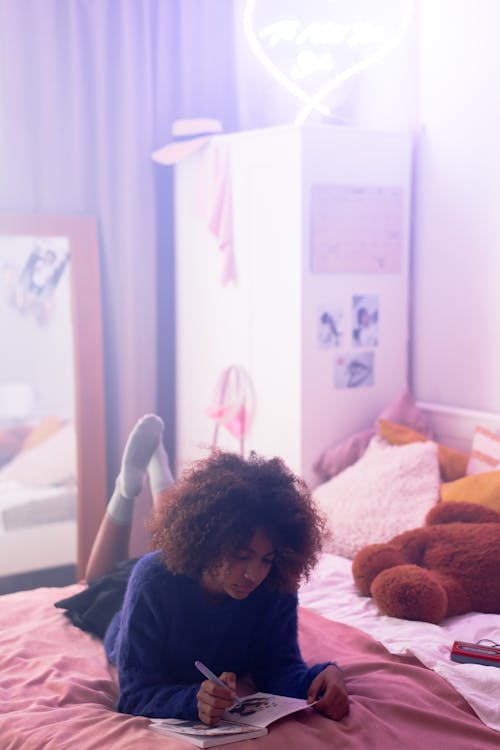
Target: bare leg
<point>110,546</point>
<point>112,540</point>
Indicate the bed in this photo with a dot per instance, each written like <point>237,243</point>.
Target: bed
<point>58,691</point>
<point>38,497</point>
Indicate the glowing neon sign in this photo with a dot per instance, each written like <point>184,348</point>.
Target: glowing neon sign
<point>312,55</point>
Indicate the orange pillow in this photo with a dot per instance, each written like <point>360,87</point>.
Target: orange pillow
<point>452,463</point>
<point>482,489</point>
<point>47,427</point>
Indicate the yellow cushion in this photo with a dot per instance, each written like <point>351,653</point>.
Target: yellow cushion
<point>47,427</point>
<point>398,434</point>
<point>452,463</point>
<point>483,489</point>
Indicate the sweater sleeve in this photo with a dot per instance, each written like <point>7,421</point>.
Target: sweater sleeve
<point>280,668</point>
<point>146,686</point>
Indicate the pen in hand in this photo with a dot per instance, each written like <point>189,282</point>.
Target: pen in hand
<point>213,677</point>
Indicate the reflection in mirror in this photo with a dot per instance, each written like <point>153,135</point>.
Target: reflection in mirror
<point>52,479</point>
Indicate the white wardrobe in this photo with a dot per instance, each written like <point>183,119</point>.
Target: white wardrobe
<point>316,222</point>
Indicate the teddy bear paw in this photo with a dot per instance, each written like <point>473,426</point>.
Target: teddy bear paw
<point>410,593</point>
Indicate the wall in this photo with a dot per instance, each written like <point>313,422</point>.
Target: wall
<point>457,222</point>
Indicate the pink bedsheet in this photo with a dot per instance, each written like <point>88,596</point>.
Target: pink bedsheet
<point>57,691</point>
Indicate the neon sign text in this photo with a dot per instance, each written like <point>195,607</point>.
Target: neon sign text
<point>323,33</point>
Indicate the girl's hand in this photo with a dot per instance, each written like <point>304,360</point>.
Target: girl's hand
<point>333,701</point>
<point>213,700</point>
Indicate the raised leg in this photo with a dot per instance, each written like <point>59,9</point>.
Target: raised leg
<point>112,541</point>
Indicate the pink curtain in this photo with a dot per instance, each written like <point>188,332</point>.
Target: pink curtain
<point>88,89</point>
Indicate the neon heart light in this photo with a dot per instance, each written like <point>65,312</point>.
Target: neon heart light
<point>324,43</point>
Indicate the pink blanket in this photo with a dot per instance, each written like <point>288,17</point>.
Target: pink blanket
<point>57,691</point>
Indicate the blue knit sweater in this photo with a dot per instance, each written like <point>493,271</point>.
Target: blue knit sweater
<point>166,623</point>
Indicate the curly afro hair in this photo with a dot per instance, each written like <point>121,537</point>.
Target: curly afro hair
<point>220,501</point>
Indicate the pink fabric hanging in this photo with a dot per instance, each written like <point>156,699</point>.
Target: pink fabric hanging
<point>215,201</point>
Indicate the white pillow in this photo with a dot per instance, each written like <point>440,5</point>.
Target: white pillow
<point>485,452</point>
<point>389,490</point>
<point>51,462</point>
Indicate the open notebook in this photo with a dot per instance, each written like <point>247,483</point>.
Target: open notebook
<point>240,722</point>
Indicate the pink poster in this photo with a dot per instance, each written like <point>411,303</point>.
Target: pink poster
<point>356,229</point>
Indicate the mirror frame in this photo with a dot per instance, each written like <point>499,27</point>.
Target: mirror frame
<point>81,232</point>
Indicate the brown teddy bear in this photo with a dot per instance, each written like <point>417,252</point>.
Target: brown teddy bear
<point>447,567</point>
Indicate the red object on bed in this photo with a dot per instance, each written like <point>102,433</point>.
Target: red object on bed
<point>58,691</point>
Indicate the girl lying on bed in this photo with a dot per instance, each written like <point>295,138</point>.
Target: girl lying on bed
<point>232,539</point>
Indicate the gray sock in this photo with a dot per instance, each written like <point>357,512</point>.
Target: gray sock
<point>159,473</point>
<point>120,509</point>
<point>141,444</point>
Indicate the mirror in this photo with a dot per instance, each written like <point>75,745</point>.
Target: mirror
<point>52,436</point>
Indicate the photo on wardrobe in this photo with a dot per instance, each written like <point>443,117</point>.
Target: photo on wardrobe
<point>365,317</point>
<point>330,327</point>
<point>355,370</point>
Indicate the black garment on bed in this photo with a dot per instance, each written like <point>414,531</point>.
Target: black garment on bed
<point>93,608</point>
